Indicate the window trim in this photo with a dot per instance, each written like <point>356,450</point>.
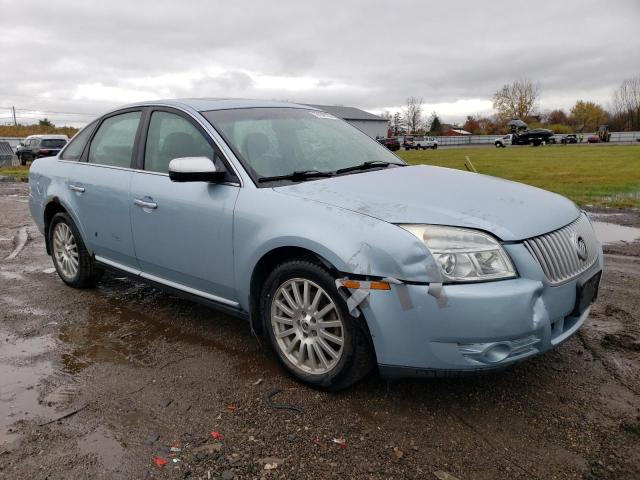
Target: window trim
<point>232,175</point>
<point>136,140</point>
<point>92,125</point>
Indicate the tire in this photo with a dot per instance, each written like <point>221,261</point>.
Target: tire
<point>435,146</point>
<point>498,145</point>
<point>68,251</point>
<point>23,161</point>
<point>353,359</point>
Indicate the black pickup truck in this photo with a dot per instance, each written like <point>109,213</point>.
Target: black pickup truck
<point>521,135</point>
<point>535,137</point>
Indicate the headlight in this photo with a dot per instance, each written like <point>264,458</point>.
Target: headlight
<point>464,255</point>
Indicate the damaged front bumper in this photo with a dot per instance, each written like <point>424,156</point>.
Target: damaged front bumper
<point>482,326</point>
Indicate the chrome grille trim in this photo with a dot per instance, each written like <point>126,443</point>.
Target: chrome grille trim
<point>556,252</point>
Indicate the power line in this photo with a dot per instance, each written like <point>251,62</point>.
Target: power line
<point>54,112</point>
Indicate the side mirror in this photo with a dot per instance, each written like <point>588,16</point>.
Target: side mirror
<point>194,169</point>
<point>21,144</point>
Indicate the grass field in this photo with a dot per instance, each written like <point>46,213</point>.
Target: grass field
<point>589,174</point>
<point>19,173</point>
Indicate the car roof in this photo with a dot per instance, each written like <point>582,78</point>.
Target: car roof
<point>207,104</point>
<point>50,137</point>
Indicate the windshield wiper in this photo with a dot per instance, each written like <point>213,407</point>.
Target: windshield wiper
<point>297,175</point>
<point>368,165</point>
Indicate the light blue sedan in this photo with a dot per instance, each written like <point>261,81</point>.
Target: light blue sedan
<point>330,245</point>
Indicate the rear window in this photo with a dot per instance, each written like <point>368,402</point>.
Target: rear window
<point>54,143</point>
<point>76,147</point>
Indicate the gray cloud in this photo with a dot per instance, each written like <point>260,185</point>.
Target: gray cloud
<point>85,57</point>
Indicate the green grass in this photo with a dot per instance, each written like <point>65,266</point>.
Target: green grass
<point>589,175</point>
<point>19,173</point>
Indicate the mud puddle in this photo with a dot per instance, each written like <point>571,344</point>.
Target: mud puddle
<point>104,446</point>
<point>150,337</point>
<point>609,233</point>
<point>22,372</point>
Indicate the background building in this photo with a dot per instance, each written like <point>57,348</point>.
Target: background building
<point>371,124</point>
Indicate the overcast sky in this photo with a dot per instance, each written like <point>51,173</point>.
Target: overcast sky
<point>85,57</point>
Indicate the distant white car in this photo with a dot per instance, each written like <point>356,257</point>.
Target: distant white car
<point>504,141</point>
<point>418,142</point>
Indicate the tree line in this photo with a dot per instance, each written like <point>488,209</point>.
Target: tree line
<point>42,127</point>
<point>519,100</point>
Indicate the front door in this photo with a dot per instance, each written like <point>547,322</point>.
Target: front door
<point>183,232</point>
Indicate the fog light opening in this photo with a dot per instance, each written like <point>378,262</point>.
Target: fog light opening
<point>497,352</point>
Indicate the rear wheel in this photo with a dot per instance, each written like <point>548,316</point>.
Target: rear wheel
<point>310,328</point>
<point>73,263</point>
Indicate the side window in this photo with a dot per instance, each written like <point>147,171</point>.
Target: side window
<point>171,136</point>
<point>77,143</point>
<point>114,141</point>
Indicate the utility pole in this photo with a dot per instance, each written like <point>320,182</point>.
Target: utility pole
<point>15,123</point>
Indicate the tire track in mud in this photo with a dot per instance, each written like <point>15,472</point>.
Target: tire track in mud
<point>20,240</point>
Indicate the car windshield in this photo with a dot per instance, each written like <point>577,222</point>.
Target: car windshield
<point>279,141</point>
<point>55,143</point>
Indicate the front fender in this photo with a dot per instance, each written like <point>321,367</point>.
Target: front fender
<point>352,242</point>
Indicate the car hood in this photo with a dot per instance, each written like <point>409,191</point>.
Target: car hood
<point>442,196</point>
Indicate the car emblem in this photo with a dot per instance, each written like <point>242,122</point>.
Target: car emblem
<point>581,248</point>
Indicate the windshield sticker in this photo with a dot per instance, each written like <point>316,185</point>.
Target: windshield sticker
<point>322,115</point>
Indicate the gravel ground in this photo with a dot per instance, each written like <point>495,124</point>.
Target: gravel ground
<point>141,376</point>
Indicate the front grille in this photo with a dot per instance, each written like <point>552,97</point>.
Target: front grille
<point>558,252</point>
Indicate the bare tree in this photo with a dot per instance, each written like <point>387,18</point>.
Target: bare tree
<point>626,102</point>
<point>413,114</point>
<point>516,100</point>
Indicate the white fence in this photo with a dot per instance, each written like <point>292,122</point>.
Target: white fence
<point>616,137</point>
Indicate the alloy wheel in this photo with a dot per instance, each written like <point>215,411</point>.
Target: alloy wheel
<point>65,250</point>
<point>307,326</point>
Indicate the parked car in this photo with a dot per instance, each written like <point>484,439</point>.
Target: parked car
<point>342,255</point>
<point>391,143</point>
<point>37,146</point>
<point>570,138</point>
<point>593,139</point>
<point>419,142</point>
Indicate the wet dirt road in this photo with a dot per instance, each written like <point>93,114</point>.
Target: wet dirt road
<point>142,374</point>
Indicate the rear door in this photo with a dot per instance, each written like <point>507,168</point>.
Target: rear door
<point>183,232</point>
<point>101,186</point>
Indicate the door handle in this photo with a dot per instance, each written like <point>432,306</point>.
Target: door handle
<point>76,188</point>
<point>145,203</point>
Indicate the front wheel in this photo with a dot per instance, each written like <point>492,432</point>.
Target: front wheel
<point>310,328</point>
<point>72,261</point>
<point>435,146</point>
